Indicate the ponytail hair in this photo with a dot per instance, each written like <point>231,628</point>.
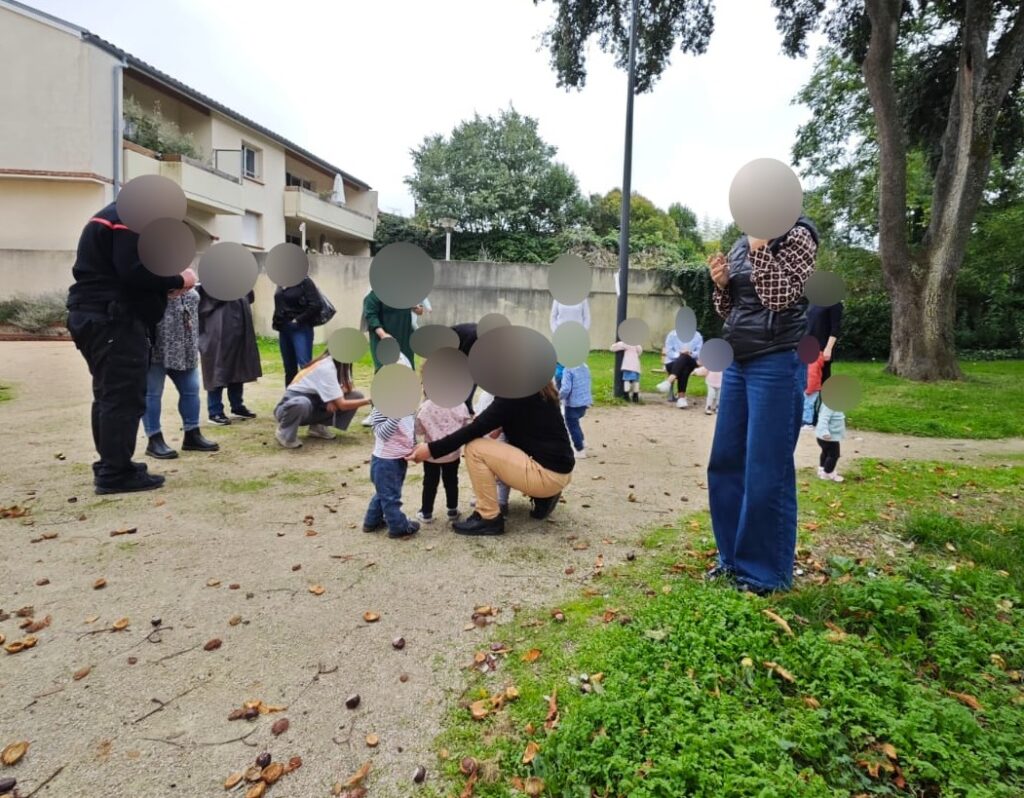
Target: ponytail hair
<point>550,392</point>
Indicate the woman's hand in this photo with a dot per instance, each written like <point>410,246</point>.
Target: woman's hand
<point>719,270</point>
<point>827,354</point>
<point>382,334</point>
<point>419,454</point>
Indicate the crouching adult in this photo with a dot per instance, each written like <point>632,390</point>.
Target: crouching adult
<point>321,395</point>
<point>536,457</point>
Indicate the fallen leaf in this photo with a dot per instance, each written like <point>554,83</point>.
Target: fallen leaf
<point>99,584</point>
<point>599,562</point>
<point>30,641</point>
<point>532,655</point>
<point>467,791</point>
<point>609,616</point>
<point>25,612</point>
<point>811,702</point>
<point>479,709</point>
<point>92,619</point>
<point>293,764</point>
<point>356,779</point>
<point>311,533</point>
<point>779,620</point>
<point>316,590</point>
<point>280,726</point>
<point>120,624</point>
<point>372,740</point>
<point>213,583</point>
<point>234,620</point>
<point>998,661</point>
<point>81,673</point>
<point>631,497</point>
<point>552,717</point>
<point>511,693</point>
<point>836,634</point>
<point>533,786</point>
<point>966,699</point>
<point>232,780</point>
<point>889,750</point>
<point>581,546</point>
<point>213,645</point>
<point>776,668</point>
<point>272,772</point>
<point>124,531</point>
<point>256,790</point>
<point>371,617</point>
<point>13,752</point>
<point>531,751</point>
<point>15,647</point>
<point>42,582</point>
<point>38,626</point>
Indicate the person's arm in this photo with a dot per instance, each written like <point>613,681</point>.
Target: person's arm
<point>554,316</point>
<point>586,314</point>
<point>822,431</point>
<point>372,308</point>
<point>492,418</point>
<point>566,389</point>
<point>344,405</point>
<point>779,278</point>
<point>835,319</point>
<point>719,268</point>
<point>130,269</point>
<point>618,346</point>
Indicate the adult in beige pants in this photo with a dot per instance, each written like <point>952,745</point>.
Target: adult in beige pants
<point>536,457</point>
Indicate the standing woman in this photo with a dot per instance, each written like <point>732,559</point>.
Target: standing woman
<point>751,474</point>
<point>824,323</point>
<point>295,310</point>
<point>175,354</point>
<point>537,458</point>
<point>229,354</point>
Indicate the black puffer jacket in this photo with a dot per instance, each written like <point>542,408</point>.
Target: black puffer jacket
<point>299,303</point>
<point>752,329</point>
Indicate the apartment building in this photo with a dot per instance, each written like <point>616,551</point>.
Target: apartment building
<point>76,117</point>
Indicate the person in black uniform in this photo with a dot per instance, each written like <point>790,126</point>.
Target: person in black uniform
<point>113,309</point>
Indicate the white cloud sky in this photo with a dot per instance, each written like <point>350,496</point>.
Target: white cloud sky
<point>361,83</point>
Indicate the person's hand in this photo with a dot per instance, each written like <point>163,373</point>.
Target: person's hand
<point>418,310</point>
<point>827,354</point>
<point>419,454</point>
<point>190,278</point>
<point>757,243</point>
<point>719,270</point>
<point>826,437</point>
<point>382,334</point>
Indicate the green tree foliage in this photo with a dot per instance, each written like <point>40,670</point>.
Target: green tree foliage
<point>494,174</point>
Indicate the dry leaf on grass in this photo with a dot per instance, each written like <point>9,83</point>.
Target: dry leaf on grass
<point>774,667</point>
<point>356,779</point>
<point>532,655</point>
<point>13,752</point>
<point>479,709</point>
<point>81,673</point>
<point>966,699</point>
<point>467,791</point>
<point>889,750</point>
<point>778,620</point>
<point>533,786</point>
<point>552,717</point>
<point>811,702</point>
<point>531,751</point>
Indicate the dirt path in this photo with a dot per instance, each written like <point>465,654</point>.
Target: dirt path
<point>237,518</point>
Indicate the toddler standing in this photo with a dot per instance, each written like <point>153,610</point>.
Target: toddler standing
<point>713,380</point>
<point>395,438</point>
<point>434,422</point>
<point>630,373</point>
<point>830,430</point>
<point>576,397</point>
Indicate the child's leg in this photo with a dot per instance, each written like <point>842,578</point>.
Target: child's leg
<point>503,492</point>
<point>390,478</point>
<point>636,391</point>
<point>374,512</point>
<point>572,422</point>
<point>809,401</point>
<point>431,478</point>
<point>831,457</point>
<point>625,386</point>
<point>450,475</point>
<point>823,457</point>
<point>715,392</point>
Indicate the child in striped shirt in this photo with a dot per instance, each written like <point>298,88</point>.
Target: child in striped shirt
<point>394,440</point>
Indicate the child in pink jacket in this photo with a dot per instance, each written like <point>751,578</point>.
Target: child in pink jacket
<point>630,373</point>
<point>434,422</point>
<point>713,379</point>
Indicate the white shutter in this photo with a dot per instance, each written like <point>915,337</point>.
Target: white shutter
<point>251,229</point>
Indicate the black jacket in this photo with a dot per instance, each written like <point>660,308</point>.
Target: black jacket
<point>108,272</point>
<point>533,424</point>
<point>300,303</point>
<point>752,329</point>
<point>467,336</point>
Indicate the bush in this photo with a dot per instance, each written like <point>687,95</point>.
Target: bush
<point>35,314</point>
<point>150,129</point>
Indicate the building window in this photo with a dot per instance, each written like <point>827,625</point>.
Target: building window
<point>252,165</point>
<point>298,182</point>
<point>296,240</point>
<point>252,229</point>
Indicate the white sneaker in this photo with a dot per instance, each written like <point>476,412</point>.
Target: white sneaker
<point>822,474</point>
<point>581,454</point>
<point>425,519</point>
<point>287,444</point>
<point>320,431</point>
<point>681,402</point>
<point>834,476</point>
<point>663,386</point>
<point>708,411</point>
<point>367,422</point>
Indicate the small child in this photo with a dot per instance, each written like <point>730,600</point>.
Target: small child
<point>434,422</point>
<point>395,440</point>
<point>713,379</point>
<point>830,430</point>
<point>630,373</point>
<point>483,401</point>
<point>813,391</point>
<point>576,397</point>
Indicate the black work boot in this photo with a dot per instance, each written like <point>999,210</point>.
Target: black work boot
<point>159,449</point>
<point>542,507</point>
<point>478,525</point>
<point>138,481</point>
<point>195,442</point>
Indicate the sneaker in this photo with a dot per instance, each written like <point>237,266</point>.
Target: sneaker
<point>581,454</point>
<point>834,476</point>
<point>375,528</point>
<point>542,508</point>
<point>243,412</point>
<point>287,444</point>
<point>664,386</point>
<point>426,518</point>
<point>221,419</point>
<point>681,402</point>
<point>409,531</point>
<point>138,481</point>
<point>453,513</point>
<point>807,428</point>
<point>367,422</point>
<point>746,587</point>
<point>719,573</point>
<point>708,411</point>
<point>822,474</point>
<point>320,431</point>
<point>477,525</point>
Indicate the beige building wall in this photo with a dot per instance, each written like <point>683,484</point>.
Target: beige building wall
<point>47,214</point>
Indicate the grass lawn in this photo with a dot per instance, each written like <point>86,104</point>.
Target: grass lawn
<point>896,672</point>
<point>6,392</point>
<point>989,403</point>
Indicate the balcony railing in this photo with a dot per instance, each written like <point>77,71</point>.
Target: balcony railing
<point>306,205</point>
<point>205,186</point>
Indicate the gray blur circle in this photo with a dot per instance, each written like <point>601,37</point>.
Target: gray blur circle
<point>686,324</point>
<point>228,271</point>
<point>841,392</point>
<point>570,279</point>
<point>808,349</point>
<point>491,321</point>
<point>430,337</point>
<point>388,351</point>
<point>512,362</point>
<point>635,332</point>
<point>147,198</point>
<point>287,265</point>
<point>716,354</point>
<point>765,198</point>
<point>572,344</point>
<point>825,289</point>
<point>401,274</point>
<point>446,378</point>
<point>347,345</point>
<point>167,247</point>
<point>396,391</point>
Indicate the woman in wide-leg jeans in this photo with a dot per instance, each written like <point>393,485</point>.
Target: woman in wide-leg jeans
<point>751,473</point>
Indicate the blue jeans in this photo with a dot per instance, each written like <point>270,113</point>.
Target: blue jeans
<point>809,402</point>
<point>187,383</point>
<point>215,399</point>
<point>386,505</point>
<point>751,473</point>
<point>572,422</point>
<point>296,349</point>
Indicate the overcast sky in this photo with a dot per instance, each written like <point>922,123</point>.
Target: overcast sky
<point>361,83</point>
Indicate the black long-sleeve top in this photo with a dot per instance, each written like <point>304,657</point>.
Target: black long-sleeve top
<point>533,424</point>
<point>108,269</point>
<point>467,336</point>
<point>824,323</point>
<point>299,303</point>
